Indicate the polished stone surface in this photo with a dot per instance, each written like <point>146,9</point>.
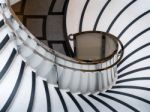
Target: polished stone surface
<point>44,20</point>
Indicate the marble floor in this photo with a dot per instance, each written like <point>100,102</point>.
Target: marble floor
<point>45,19</point>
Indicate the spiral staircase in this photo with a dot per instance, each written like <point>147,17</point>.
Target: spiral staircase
<point>35,78</point>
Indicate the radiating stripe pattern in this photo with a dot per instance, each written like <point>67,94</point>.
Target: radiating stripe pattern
<point>128,20</point>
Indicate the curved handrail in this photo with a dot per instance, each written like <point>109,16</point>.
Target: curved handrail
<point>103,33</point>
<point>59,55</point>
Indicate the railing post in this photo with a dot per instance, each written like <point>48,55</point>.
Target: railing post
<point>55,65</point>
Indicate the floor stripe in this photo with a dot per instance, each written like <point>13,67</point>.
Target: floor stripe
<point>132,79</point>
<point>131,87</point>
<point>82,15</point>
<point>32,93</point>
<point>119,101</point>
<point>2,23</point>
<point>136,19</point>
<point>138,35</point>
<point>115,19</point>
<point>104,103</point>
<point>87,101</point>
<point>130,54</point>
<point>15,89</point>
<point>129,95</point>
<point>4,41</point>
<point>75,102</point>
<point>65,7</point>
<point>132,63</point>
<point>133,71</point>
<point>8,64</point>
<point>61,99</point>
<point>67,47</point>
<point>100,14</point>
<point>47,96</point>
<point>52,6</point>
